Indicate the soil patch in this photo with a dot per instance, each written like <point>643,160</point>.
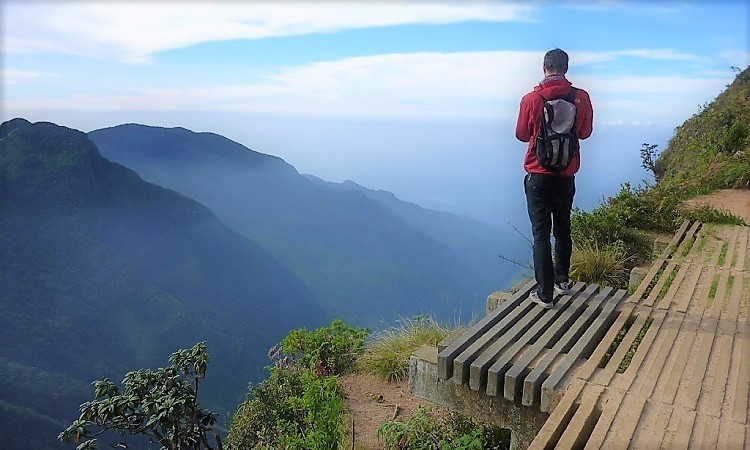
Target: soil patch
<point>736,201</point>
<point>373,402</point>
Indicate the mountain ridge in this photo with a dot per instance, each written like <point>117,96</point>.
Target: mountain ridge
<point>102,273</point>
<point>366,260</point>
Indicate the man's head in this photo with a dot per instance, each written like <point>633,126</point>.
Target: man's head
<point>555,62</point>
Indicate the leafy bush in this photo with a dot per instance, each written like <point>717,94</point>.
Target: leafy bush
<point>328,350</point>
<point>600,265</point>
<point>292,409</point>
<point>387,357</point>
<point>299,405</point>
<point>423,432</point>
<point>161,405</point>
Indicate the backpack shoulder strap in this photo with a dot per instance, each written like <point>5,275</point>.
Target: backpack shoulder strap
<point>571,97</point>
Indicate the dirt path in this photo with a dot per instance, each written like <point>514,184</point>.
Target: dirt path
<point>373,402</point>
<point>736,201</point>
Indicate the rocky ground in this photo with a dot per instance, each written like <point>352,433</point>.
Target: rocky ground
<point>372,402</point>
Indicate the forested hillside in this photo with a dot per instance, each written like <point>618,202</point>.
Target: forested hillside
<point>368,257</point>
<point>102,273</point>
<point>711,150</point>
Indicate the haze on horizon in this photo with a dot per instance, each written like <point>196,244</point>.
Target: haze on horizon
<point>416,98</point>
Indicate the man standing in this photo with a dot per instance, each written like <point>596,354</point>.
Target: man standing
<point>549,190</point>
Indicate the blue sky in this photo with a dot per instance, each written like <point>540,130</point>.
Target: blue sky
<point>417,98</point>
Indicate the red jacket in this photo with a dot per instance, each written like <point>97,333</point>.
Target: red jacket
<point>527,127</point>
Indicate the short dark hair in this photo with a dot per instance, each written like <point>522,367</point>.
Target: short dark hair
<point>556,61</point>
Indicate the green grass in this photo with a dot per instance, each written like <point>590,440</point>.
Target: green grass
<point>723,254</point>
<point>687,247</point>
<point>712,291</point>
<point>745,297</point>
<point>702,243</point>
<point>710,150</point>
<point>616,343</point>
<point>730,286</point>
<point>653,282</point>
<point>387,356</point>
<point>710,214</point>
<point>424,432</point>
<point>734,260</point>
<point>627,359</point>
<point>668,283</point>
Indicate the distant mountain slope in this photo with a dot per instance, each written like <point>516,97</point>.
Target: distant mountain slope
<point>367,256</point>
<point>102,273</point>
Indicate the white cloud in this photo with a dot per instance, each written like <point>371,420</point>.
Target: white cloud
<point>468,84</point>
<point>736,57</point>
<point>664,54</point>
<point>432,84</point>
<point>14,76</point>
<point>655,99</point>
<point>132,31</point>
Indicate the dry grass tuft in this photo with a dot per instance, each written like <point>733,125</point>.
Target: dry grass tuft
<point>387,356</point>
<point>600,265</point>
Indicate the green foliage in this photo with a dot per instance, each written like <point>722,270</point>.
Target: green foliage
<point>628,358</point>
<point>711,150</point>
<point>328,350</point>
<point>605,265</point>
<point>387,357</point>
<point>159,404</point>
<point>299,405</point>
<point>616,222</point>
<point>423,432</point>
<point>668,283</point>
<point>648,156</point>
<point>713,289</point>
<point>616,343</point>
<point>292,409</point>
<point>710,214</point>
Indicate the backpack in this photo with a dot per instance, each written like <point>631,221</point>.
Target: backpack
<point>557,142</point>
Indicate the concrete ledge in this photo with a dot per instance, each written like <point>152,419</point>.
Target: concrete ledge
<point>455,334</point>
<point>523,422</point>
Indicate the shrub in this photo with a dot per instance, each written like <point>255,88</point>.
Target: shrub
<point>622,219</point>
<point>299,405</point>
<point>423,432</point>
<point>387,357</point>
<point>161,405</point>
<point>292,408</point>
<point>737,173</point>
<point>328,350</point>
<point>709,214</point>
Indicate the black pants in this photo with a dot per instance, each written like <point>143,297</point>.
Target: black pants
<point>549,200</point>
